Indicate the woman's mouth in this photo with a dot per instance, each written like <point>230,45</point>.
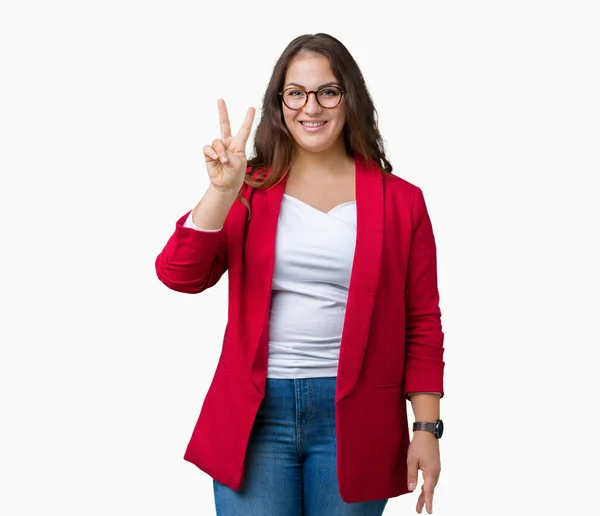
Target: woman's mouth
<point>312,126</point>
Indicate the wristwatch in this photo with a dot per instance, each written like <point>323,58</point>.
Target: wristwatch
<point>436,428</point>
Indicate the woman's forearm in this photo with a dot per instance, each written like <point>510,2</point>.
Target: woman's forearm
<point>425,406</point>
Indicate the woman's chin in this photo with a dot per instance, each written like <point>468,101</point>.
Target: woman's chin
<point>314,146</point>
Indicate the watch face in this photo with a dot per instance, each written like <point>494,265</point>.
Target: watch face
<point>439,428</point>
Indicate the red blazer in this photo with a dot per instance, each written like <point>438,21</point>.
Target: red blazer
<point>392,340</point>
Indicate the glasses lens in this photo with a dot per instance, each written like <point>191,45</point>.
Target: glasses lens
<point>329,97</point>
<point>294,98</point>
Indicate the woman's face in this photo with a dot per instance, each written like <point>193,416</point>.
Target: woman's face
<point>312,73</point>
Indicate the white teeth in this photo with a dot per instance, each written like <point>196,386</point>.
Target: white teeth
<point>313,124</point>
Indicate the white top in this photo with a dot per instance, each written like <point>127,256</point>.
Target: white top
<point>313,262</point>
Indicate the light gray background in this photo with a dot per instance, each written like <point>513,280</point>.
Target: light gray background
<point>492,108</point>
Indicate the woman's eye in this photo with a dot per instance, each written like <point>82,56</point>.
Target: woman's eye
<point>329,93</point>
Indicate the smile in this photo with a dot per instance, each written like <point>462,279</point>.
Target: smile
<point>312,125</point>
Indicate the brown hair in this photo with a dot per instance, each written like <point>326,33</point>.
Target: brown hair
<point>273,143</point>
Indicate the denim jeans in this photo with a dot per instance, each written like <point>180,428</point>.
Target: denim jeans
<point>290,467</point>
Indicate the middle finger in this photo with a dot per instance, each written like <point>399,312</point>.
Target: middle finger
<point>421,502</point>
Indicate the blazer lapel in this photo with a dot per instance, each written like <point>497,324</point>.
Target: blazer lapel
<point>365,276</point>
<point>258,266</point>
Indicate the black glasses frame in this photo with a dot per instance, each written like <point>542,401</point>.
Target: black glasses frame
<point>280,93</point>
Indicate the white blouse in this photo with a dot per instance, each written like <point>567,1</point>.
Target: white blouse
<point>313,262</point>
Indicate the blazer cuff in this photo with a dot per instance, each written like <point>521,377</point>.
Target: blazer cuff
<point>189,223</point>
<point>409,394</point>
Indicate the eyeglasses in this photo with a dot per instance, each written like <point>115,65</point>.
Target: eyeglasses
<point>296,98</point>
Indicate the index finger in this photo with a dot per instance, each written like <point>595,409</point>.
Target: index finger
<point>428,488</point>
<point>244,132</point>
<point>224,120</point>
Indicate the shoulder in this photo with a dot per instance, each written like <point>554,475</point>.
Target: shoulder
<point>392,183</point>
<point>397,186</point>
<point>404,198</point>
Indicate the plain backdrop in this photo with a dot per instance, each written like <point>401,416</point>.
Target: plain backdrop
<point>492,108</point>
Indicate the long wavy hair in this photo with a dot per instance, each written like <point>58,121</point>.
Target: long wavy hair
<point>273,143</point>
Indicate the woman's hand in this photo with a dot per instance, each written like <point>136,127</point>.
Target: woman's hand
<point>424,455</point>
<point>226,158</point>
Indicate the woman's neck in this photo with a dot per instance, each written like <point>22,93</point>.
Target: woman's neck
<point>334,162</point>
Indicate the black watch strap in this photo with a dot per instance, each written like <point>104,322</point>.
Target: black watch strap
<point>436,428</point>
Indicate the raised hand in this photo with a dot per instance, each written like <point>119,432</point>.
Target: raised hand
<point>226,158</point>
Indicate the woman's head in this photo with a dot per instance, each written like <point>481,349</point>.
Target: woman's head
<point>312,103</point>
<point>308,63</point>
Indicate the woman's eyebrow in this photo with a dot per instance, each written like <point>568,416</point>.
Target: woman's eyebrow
<point>332,83</point>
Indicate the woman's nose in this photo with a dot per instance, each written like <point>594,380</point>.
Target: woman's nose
<point>312,106</point>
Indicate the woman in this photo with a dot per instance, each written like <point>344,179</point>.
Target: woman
<point>333,303</point>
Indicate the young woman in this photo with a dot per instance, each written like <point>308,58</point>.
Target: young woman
<point>334,316</point>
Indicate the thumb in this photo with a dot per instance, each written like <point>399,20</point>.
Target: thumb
<point>412,473</point>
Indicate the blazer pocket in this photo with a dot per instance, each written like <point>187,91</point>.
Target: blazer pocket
<point>390,386</point>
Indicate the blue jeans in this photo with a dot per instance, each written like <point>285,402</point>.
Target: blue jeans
<point>290,467</point>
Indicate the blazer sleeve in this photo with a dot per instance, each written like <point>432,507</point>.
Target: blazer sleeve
<point>424,365</point>
<point>192,261</point>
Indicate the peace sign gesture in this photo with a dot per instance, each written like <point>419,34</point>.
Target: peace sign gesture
<point>226,158</point>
